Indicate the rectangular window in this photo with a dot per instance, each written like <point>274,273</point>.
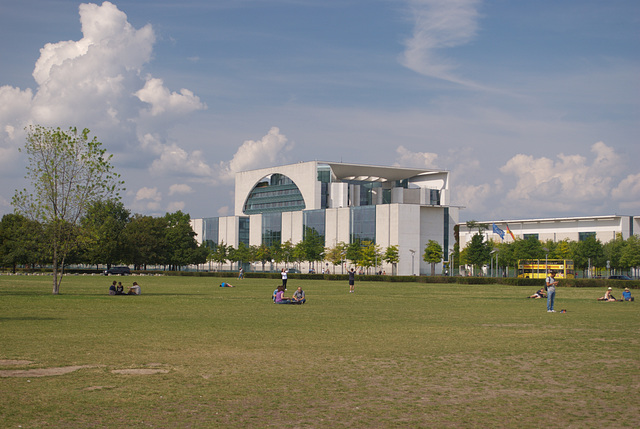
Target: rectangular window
<point>528,236</point>
<point>271,228</point>
<point>362,225</point>
<point>445,239</point>
<point>210,228</point>
<point>434,197</point>
<point>314,220</point>
<point>243,230</point>
<point>584,235</point>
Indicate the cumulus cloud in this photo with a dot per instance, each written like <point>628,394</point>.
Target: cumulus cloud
<point>174,159</point>
<point>628,192</point>
<point>96,82</point>
<point>439,24</point>
<point>163,101</point>
<point>567,182</point>
<point>407,158</point>
<point>267,151</point>
<point>180,189</point>
<point>147,199</point>
<point>175,206</point>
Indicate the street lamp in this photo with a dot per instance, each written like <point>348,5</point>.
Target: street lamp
<point>451,264</point>
<point>413,253</point>
<point>491,253</point>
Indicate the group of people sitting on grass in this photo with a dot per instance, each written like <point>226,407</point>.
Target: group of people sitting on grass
<point>297,298</point>
<point>626,296</point>
<point>118,289</point>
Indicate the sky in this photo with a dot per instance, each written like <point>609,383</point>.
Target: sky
<point>533,106</point>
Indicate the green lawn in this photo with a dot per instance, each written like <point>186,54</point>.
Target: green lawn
<point>391,355</point>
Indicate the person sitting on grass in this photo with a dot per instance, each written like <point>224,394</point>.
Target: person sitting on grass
<point>112,288</point>
<point>298,296</point>
<point>224,284</point>
<point>134,290</point>
<point>626,295</point>
<point>280,298</point>
<point>540,293</point>
<point>119,289</point>
<point>607,296</point>
<point>273,295</point>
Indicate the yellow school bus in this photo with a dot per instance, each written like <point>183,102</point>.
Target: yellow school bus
<point>539,268</point>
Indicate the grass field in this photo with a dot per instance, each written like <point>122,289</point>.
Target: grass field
<point>189,354</point>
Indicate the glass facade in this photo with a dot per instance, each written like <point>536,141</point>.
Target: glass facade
<point>362,225</point>
<point>274,194</point>
<point>314,220</point>
<point>528,236</point>
<point>243,230</point>
<point>271,228</point>
<point>210,231</point>
<point>445,239</point>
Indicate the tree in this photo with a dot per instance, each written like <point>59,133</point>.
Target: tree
<point>370,255</point>
<point>103,227</point>
<point>144,238</point>
<point>182,248</point>
<point>354,252</point>
<point>630,257</point>
<point>68,173</point>
<point>21,241</point>
<point>391,256</point>
<point>335,254</point>
<point>589,253</point>
<point>432,254</point>
<point>477,252</point>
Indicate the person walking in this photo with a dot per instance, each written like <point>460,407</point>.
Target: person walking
<point>352,280</point>
<point>551,291</point>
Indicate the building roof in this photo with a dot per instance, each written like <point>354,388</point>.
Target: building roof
<point>373,173</point>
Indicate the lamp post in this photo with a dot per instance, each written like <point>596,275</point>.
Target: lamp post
<point>413,253</point>
<point>492,252</point>
<point>546,261</point>
<point>451,264</point>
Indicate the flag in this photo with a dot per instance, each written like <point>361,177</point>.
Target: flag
<point>510,233</point>
<point>498,231</point>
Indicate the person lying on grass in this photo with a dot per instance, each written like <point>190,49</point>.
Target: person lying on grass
<point>224,284</point>
<point>540,293</point>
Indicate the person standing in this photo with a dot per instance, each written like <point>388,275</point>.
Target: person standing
<point>352,280</point>
<point>240,273</point>
<point>283,273</point>
<point>551,291</point>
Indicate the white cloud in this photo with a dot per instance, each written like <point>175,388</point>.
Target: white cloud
<point>265,152</point>
<point>224,211</point>
<point>174,159</point>
<point>175,206</point>
<point>628,192</point>
<point>568,183</point>
<point>439,24</point>
<point>407,158</point>
<point>180,189</point>
<point>163,101</point>
<point>148,194</point>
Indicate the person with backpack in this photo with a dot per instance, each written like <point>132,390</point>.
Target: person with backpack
<point>551,284</point>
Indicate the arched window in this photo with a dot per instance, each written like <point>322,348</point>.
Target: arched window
<point>272,194</point>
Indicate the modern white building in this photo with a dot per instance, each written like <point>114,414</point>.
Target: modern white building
<point>603,228</point>
<point>343,203</point>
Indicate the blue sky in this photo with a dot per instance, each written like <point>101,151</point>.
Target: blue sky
<point>532,105</point>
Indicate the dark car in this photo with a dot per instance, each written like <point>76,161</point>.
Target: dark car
<point>118,271</point>
<point>620,278</point>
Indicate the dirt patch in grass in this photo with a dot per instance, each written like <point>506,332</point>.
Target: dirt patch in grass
<point>140,371</point>
<point>42,372</point>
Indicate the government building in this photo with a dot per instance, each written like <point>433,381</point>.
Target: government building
<point>343,203</point>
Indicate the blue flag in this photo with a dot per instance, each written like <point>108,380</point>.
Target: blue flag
<point>498,231</point>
